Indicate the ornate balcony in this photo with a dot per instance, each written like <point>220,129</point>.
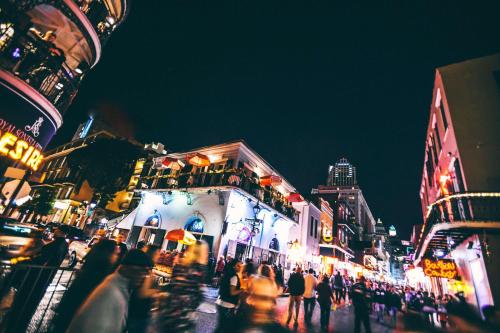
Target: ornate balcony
<point>236,178</point>
<point>453,218</point>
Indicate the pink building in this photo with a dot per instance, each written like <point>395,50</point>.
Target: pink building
<point>460,188</point>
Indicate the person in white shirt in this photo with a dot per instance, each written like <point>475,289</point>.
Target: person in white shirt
<point>309,299</point>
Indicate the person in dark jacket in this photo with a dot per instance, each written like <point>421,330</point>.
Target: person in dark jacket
<point>296,287</point>
<point>99,263</point>
<point>360,303</point>
<point>338,286</point>
<point>325,299</point>
<point>379,298</point>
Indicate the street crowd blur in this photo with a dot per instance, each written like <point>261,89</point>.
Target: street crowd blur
<point>146,289</point>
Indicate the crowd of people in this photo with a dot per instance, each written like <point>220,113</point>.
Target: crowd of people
<point>115,291</point>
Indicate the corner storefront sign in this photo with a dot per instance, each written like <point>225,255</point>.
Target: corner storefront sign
<point>19,150</point>
<point>443,268</point>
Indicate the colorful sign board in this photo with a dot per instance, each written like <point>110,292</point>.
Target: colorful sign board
<point>25,129</point>
<point>443,268</point>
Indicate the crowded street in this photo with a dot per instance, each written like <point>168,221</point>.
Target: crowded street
<point>249,167</point>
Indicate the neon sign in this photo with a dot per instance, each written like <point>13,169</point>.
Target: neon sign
<point>443,268</point>
<point>20,150</point>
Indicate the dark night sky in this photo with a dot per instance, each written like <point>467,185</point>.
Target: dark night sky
<point>303,84</point>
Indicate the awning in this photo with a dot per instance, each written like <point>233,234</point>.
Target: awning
<point>128,221</point>
<point>9,188</point>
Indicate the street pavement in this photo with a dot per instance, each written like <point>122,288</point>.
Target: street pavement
<point>341,319</point>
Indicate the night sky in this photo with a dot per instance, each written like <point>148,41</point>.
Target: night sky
<point>304,85</point>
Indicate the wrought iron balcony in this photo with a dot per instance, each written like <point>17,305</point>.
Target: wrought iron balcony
<point>38,63</point>
<point>265,194</point>
<point>460,213</point>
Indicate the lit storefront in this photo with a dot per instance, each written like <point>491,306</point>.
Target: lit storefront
<point>227,219</point>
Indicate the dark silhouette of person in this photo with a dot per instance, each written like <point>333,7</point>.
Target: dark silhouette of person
<point>99,263</point>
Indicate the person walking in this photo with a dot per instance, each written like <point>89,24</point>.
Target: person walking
<point>106,309</point>
<point>141,300</point>
<point>379,300</point>
<point>178,310</point>
<point>219,269</point>
<point>296,287</point>
<point>98,264</point>
<point>261,300</point>
<point>310,284</point>
<point>392,303</point>
<point>338,286</point>
<point>229,291</point>
<point>325,299</point>
<point>359,301</point>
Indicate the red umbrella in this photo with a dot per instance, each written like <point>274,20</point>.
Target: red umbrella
<point>199,160</point>
<point>172,163</point>
<point>271,180</point>
<point>182,236</point>
<point>295,197</point>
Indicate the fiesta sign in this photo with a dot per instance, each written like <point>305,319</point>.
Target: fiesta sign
<point>443,268</point>
<point>19,150</point>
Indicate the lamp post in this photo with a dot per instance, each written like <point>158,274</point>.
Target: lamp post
<point>254,228</point>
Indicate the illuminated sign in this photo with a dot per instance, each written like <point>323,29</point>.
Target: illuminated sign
<point>443,268</point>
<point>20,150</point>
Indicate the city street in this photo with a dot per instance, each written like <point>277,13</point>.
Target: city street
<point>341,320</point>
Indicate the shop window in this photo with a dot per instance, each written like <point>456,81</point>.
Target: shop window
<point>437,137</point>
<point>443,116</point>
<point>311,226</point>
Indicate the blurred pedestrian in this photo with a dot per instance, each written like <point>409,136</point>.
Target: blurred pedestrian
<point>361,306</point>
<point>106,309</point>
<point>141,300</point>
<point>392,303</point>
<point>120,241</point>
<point>296,287</point>
<point>379,301</point>
<point>429,307</point>
<point>35,282</point>
<point>310,284</point>
<point>325,300</point>
<point>98,264</point>
<point>261,300</point>
<point>229,291</point>
<point>185,294</point>
<point>338,286</point>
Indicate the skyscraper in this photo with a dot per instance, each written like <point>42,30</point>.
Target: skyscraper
<point>342,174</point>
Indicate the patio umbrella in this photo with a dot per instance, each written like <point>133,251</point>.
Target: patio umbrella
<point>182,236</point>
<point>172,163</point>
<point>270,180</point>
<point>199,160</point>
<point>295,197</point>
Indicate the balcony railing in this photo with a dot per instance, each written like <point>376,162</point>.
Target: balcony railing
<point>36,62</point>
<point>265,194</point>
<point>463,207</point>
<point>99,16</point>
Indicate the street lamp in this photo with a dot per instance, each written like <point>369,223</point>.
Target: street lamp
<point>254,227</point>
<point>256,209</point>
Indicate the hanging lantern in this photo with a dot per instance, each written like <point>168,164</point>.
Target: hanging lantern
<point>198,160</point>
<point>270,180</point>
